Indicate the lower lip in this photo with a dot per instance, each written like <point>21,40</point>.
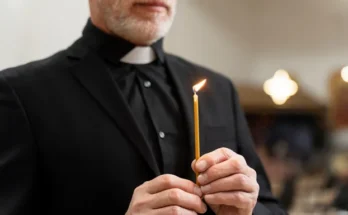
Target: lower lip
<point>151,8</point>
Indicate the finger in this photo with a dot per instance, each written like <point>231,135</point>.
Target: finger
<point>177,197</point>
<point>193,165</point>
<point>252,173</point>
<point>212,158</point>
<point>165,182</point>
<point>236,199</point>
<point>173,210</point>
<point>234,165</point>
<point>236,182</point>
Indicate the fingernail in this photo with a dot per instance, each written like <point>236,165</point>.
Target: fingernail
<point>202,178</point>
<point>197,191</point>
<point>201,165</point>
<point>206,188</point>
<point>205,208</point>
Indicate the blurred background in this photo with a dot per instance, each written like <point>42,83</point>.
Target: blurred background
<point>287,58</point>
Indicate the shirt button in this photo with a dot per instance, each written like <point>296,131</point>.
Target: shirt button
<point>162,134</point>
<point>147,84</point>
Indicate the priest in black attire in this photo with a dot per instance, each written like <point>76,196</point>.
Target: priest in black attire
<point>105,126</point>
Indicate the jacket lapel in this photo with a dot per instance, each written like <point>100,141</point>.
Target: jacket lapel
<point>93,74</point>
<point>184,78</point>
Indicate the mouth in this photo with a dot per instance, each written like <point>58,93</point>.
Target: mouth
<point>155,5</point>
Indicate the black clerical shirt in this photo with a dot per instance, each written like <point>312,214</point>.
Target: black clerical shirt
<point>149,93</point>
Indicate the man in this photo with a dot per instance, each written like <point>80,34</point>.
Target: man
<point>106,127</point>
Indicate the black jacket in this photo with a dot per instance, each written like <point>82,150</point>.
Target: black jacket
<point>69,144</point>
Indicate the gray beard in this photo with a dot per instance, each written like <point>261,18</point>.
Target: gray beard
<point>134,30</point>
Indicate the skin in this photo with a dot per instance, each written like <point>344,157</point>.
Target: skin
<point>137,21</point>
<point>227,184</point>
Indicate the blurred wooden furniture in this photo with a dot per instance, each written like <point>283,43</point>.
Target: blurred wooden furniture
<point>338,98</point>
<point>255,101</point>
<point>260,110</point>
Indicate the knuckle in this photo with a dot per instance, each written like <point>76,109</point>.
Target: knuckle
<point>142,188</point>
<point>175,210</point>
<point>139,205</point>
<point>240,197</point>
<point>224,149</point>
<point>167,180</point>
<point>246,202</point>
<point>253,172</point>
<point>243,180</point>
<point>237,165</point>
<point>225,152</point>
<point>146,183</point>
<point>257,188</point>
<point>174,195</point>
<point>139,189</point>
<point>241,158</point>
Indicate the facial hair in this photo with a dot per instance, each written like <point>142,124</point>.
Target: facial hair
<point>133,28</point>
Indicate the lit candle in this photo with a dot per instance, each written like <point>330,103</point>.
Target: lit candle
<point>196,88</point>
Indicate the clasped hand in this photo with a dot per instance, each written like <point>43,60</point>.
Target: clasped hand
<point>227,185</point>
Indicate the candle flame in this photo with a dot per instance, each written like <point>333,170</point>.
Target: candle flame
<point>198,86</point>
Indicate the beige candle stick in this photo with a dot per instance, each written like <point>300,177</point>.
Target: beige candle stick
<point>196,88</point>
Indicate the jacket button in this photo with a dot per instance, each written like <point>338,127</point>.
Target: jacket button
<point>147,84</point>
<point>162,134</point>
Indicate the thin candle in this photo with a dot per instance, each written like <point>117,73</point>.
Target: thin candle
<point>196,88</point>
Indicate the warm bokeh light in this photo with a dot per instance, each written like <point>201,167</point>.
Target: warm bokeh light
<point>344,74</point>
<point>280,87</point>
<point>198,86</point>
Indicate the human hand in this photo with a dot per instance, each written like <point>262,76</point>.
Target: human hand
<point>228,184</point>
<point>167,194</point>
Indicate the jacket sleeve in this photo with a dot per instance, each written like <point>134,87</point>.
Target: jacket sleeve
<point>16,155</point>
<point>267,204</point>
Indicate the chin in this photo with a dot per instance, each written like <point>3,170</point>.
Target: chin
<point>147,38</point>
<point>145,33</point>
<point>143,40</point>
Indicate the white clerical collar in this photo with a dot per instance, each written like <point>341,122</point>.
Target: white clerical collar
<point>139,55</point>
